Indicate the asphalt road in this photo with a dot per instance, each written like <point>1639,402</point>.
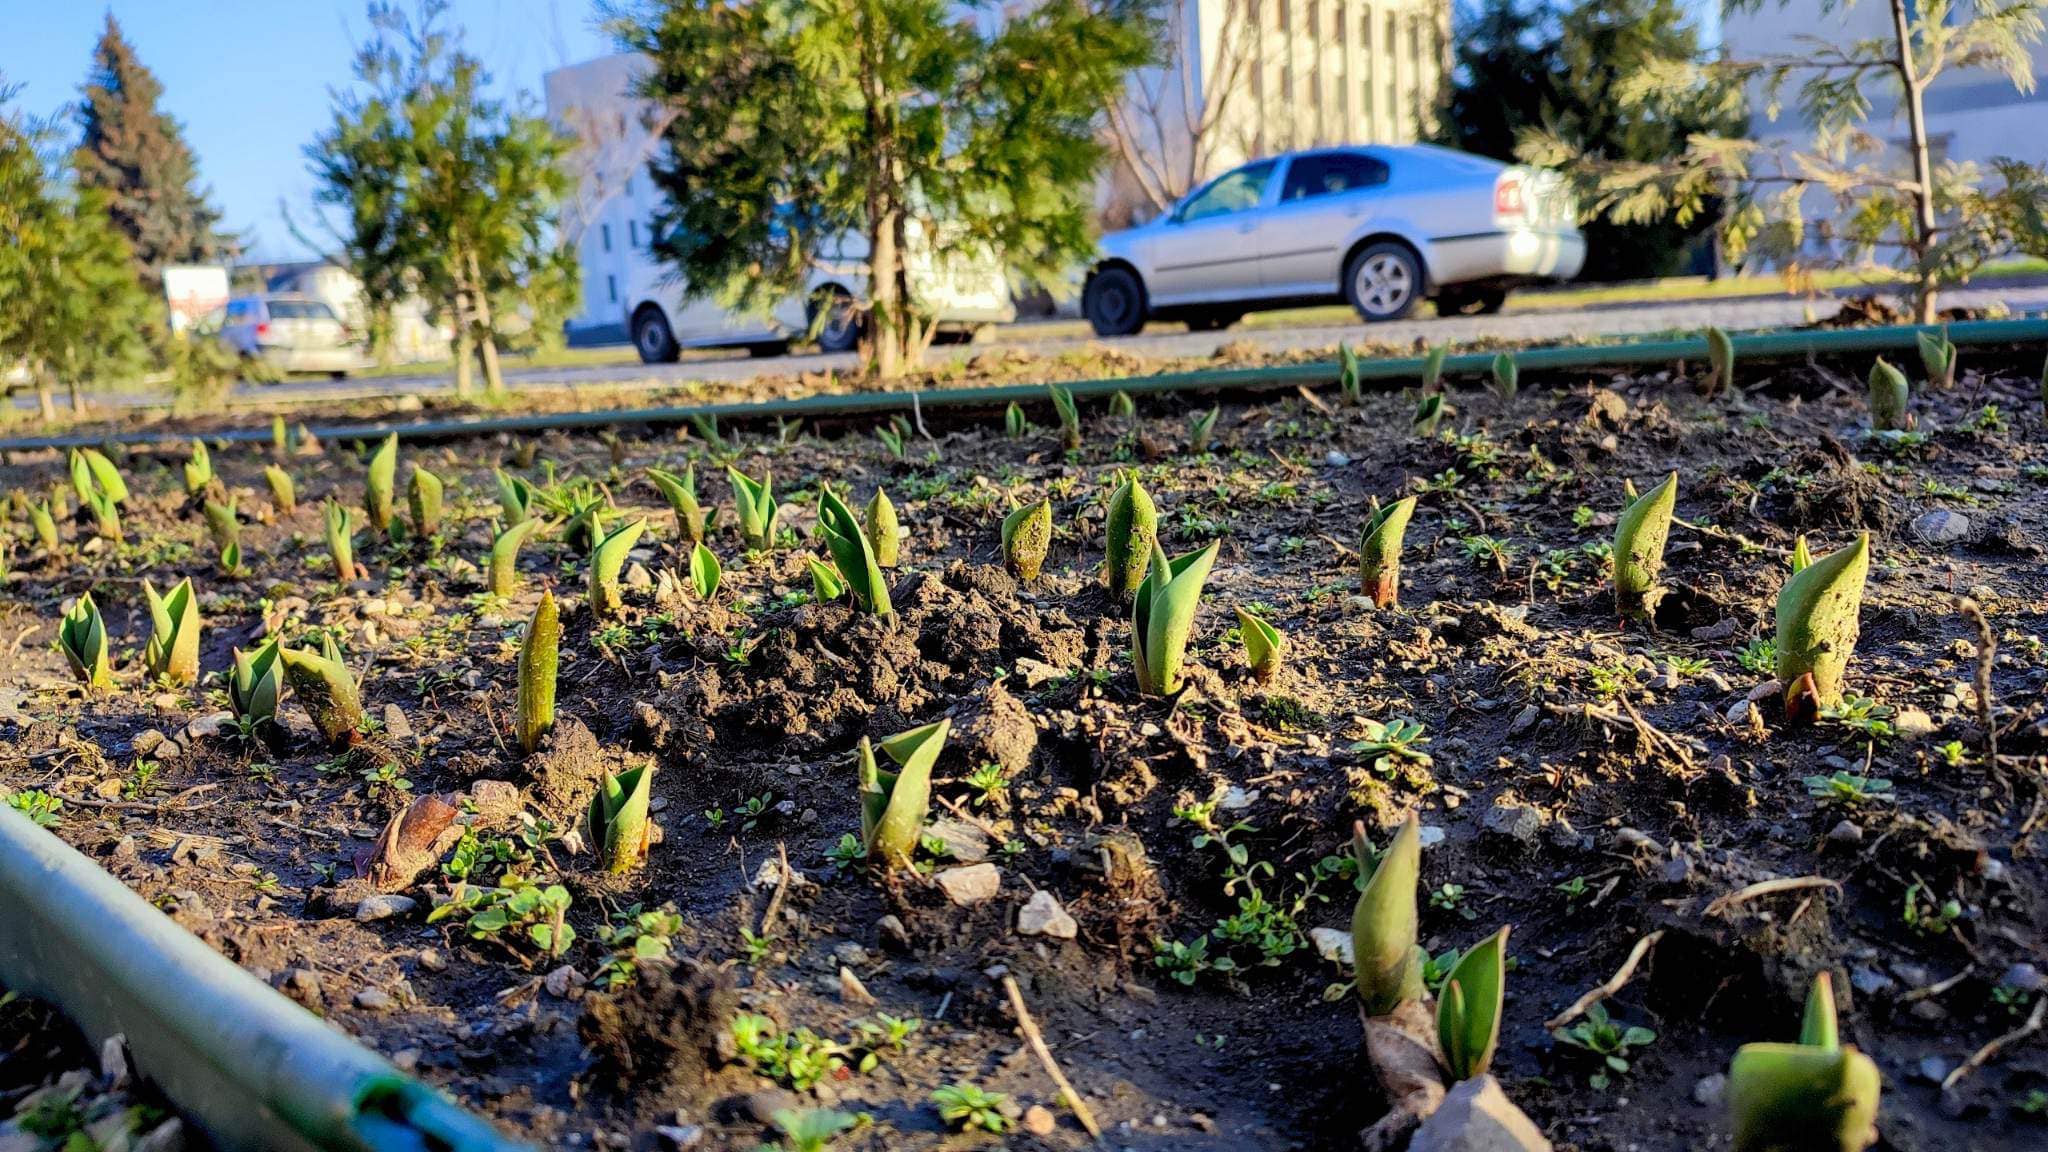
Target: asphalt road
<point>1171,340</point>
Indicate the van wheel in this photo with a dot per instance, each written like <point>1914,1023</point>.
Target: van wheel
<point>1114,303</point>
<point>1383,282</point>
<point>841,330</point>
<point>652,338</point>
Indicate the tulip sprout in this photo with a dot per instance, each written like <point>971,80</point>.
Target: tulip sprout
<point>1202,426</point>
<point>705,571</point>
<point>617,827</point>
<point>106,514</point>
<point>826,586</point>
<point>172,652</point>
<point>424,496</point>
<point>1379,551</point>
<point>885,533</point>
<point>681,494</point>
<point>539,657</point>
<point>1721,358</point>
<point>515,496</point>
<point>504,573</point>
<point>283,495</point>
<point>254,685</point>
<point>198,470</point>
<point>82,634</point>
<point>1163,617</point>
<point>1468,1013</point>
<point>379,485</point>
<point>45,525</point>
<point>1348,385</point>
<point>1817,1093</point>
<point>1639,537</point>
<point>585,526</point>
<point>1385,919</point>
<point>853,555</point>
<point>1133,530</point>
<point>1027,536</point>
<point>1433,367</point>
<point>91,471</point>
<point>1507,376</point>
<point>1428,412</point>
<point>894,805</point>
<point>757,508</point>
<point>606,561</point>
<point>328,693</point>
<point>1802,558</point>
<point>223,525</point>
<point>1070,417</point>
<point>341,543</point>
<point>1818,619</point>
<point>1938,357</point>
<point>279,438</point>
<point>1263,645</point>
<point>1889,397</point>
<point>1015,425</point>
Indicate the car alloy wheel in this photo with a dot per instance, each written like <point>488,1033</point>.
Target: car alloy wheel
<point>1383,284</point>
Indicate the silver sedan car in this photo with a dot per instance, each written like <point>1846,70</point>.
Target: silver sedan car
<point>1380,228</point>
<point>290,334</point>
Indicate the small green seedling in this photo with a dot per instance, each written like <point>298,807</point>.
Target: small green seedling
<point>705,572</point>
<point>617,826</point>
<point>1818,617</point>
<point>424,497</point>
<point>1433,367</point>
<point>341,545</point>
<point>1507,376</point>
<point>1937,357</point>
<point>1263,646</point>
<point>681,494</point>
<point>1163,617</point>
<point>1385,920</point>
<point>1015,425</point>
<point>967,1108</point>
<point>895,805</point>
<point>1429,411</point>
<point>380,484</point>
<point>504,567</point>
<point>607,560</point>
<point>328,693</point>
<point>199,469</point>
<point>1607,1039</point>
<point>1721,357</point>
<point>885,532</point>
<point>757,508</point>
<point>1468,1014</point>
<point>1348,385</point>
<point>82,634</point>
<point>1201,429</point>
<point>1816,1094</point>
<point>853,554</point>
<point>283,495</point>
<point>1069,415</point>
<point>826,586</point>
<point>255,684</point>
<point>539,658</point>
<point>1890,398</point>
<point>172,653</point>
<point>1639,537</point>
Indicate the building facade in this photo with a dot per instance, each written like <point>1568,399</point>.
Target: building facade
<point>607,219</point>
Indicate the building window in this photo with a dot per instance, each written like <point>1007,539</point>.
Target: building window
<point>633,233</point>
<point>604,232</point>
<point>611,288</point>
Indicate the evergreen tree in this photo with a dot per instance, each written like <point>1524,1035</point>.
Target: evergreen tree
<point>1526,66</point>
<point>794,124</point>
<point>135,154</point>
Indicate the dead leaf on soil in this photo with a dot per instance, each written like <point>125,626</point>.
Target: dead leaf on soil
<point>411,843</point>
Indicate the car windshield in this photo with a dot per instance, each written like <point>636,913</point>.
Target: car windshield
<point>300,310</point>
<point>1230,192</point>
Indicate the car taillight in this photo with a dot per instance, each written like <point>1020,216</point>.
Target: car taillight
<point>1507,196</point>
<point>263,329</point>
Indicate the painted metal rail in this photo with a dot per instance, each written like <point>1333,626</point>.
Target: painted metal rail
<point>249,1067</point>
<point>1767,346</point>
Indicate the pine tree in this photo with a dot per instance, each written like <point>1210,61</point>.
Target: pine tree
<point>136,155</point>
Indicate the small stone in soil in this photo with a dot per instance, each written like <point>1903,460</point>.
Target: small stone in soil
<point>1039,1121</point>
<point>1043,916</point>
<point>972,885</point>
<point>384,906</point>
<point>374,1000</point>
<point>1708,1091</point>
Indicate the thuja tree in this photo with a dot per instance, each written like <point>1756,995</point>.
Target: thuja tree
<point>445,190</point>
<point>791,125</point>
<point>1936,221</point>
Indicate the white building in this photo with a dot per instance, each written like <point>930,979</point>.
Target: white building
<point>614,198</point>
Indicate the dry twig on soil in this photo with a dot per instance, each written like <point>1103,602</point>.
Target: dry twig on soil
<point>1036,1040</point>
<point>1983,1055</point>
<point>1613,984</point>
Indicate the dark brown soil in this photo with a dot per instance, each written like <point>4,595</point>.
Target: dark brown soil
<point>1587,783</point>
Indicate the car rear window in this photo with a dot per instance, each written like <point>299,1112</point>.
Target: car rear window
<point>300,310</point>
<point>1327,173</point>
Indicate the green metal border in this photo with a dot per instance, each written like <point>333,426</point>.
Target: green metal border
<point>1778,345</point>
<point>249,1067</point>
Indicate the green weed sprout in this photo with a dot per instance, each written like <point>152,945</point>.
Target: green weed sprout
<point>1070,416</point>
<point>1468,1012</point>
<point>82,634</point>
<point>1816,1094</point>
<point>585,525</point>
<point>810,1129</point>
<point>1433,367</point>
<point>341,543</point>
<point>1818,617</point>
<point>1379,551</point>
<point>894,805</point>
<point>885,532</point>
<point>1201,428</point>
<point>1639,536</point>
<point>1348,384</point>
<point>172,652</point>
<point>968,1107</point>
<point>1163,617</point>
<point>617,827</point>
<point>757,508</point>
<point>1890,396</point>
<point>1384,922</point>
<point>1027,537</point>
<point>705,572</point>
<point>255,684</point>
<point>1429,412</point>
<point>681,494</point>
<point>1507,376</point>
<point>504,570</point>
<point>327,692</point>
<point>380,484</point>
<point>1133,530</point>
<point>424,494</point>
<point>539,658</point>
<point>199,469</point>
<point>1937,357</point>
<point>1721,358</point>
<point>515,496</point>
<point>853,555</point>
<point>606,562</point>
<point>1263,646</point>
<point>283,495</point>
<point>826,586</point>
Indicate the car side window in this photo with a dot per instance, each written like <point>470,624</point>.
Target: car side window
<point>1328,173</point>
<point>1231,192</point>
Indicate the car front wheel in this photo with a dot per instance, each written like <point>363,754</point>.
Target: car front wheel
<point>841,330</point>
<point>1114,303</point>
<point>1383,282</point>
<point>652,338</point>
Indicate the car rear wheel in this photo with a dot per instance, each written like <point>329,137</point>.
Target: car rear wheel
<point>1383,282</point>
<point>652,338</point>
<point>1114,303</point>
<point>1213,321</point>
<point>841,330</point>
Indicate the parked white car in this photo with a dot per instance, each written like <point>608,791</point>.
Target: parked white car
<point>1380,228</point>
<point>290,333</point>
<point>963,289</point>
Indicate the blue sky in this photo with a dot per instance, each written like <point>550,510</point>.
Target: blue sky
<point>250,81</point>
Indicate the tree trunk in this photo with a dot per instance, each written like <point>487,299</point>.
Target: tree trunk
<point>486,332</point>
<point>46,402</point>
<point>1924,286</point>
<point>884,211</point>
<point>458,309</point>
<point>77,397</point>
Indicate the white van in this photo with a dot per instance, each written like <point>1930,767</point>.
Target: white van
<point>964,292</point>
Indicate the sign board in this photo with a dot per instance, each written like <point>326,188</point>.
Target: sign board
<point>194,292</point>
